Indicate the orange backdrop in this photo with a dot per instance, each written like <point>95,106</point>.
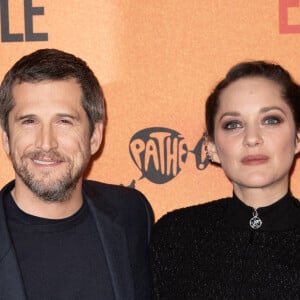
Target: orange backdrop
<point>157,61</point>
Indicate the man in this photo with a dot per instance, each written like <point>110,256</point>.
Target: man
<point>62,237</point>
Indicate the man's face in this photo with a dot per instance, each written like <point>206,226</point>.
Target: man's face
<point>49,140</point>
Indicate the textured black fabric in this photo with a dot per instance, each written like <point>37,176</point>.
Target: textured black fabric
<point>123,219</point>
<point>209,251</point>
<point>59,259</point>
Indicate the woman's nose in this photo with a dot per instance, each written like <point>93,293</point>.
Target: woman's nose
<point>253,137</point>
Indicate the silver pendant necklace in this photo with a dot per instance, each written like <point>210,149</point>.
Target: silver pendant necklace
<point>255,222</point>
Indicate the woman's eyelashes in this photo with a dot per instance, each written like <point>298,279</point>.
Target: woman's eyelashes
<point>237,124</point>
<point>272,120</point>
<point>232,124</point>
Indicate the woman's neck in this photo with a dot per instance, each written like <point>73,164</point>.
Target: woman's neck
<point>259,197</point>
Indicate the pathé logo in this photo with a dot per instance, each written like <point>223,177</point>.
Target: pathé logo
<point>160,153</point>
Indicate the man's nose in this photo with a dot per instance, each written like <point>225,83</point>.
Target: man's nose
<point>46,139</point>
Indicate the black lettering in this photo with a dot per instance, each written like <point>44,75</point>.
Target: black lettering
<point>202,159</point>
<point>29,12</point>
<point>5,35</point>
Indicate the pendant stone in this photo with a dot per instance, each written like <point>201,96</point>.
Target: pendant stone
<point>255,222</point>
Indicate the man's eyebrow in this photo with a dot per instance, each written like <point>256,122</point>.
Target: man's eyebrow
<point>65,115</point>
<point>29,116</point>
<point>60,115</point>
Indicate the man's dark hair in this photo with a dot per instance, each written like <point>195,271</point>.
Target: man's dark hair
<point>53,64</point>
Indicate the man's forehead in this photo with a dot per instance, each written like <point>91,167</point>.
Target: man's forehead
<point>68,79</point>
<point>48,88</point>
<point>48,93</point>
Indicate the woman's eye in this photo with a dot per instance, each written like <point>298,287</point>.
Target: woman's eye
<point>272,120</point>
<point>232,125</point>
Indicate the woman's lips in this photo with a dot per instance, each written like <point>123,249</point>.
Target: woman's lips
<point>252,160</point>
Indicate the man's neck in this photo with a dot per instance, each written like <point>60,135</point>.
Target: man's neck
<point>33,205</point>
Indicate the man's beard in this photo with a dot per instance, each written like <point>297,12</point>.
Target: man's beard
<point>55,190</point>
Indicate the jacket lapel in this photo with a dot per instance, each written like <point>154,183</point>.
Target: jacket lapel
<point>116,251</point>
<point>111,235</point>
<point>11,284</point>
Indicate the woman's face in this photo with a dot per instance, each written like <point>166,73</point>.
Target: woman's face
<point>255,135</point>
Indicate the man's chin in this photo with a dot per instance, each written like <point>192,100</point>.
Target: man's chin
<point>53,194</point>
<point>49,188</point>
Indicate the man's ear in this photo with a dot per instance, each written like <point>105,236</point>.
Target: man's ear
<point>96,138</point>
<point>5,142</point>
<point>212,152</point>
<point>297,148</point>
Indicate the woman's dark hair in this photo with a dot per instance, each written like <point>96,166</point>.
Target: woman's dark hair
<point>53,64</point>
<point>274,72</point>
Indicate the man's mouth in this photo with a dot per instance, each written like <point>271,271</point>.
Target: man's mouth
<point>45,162</point>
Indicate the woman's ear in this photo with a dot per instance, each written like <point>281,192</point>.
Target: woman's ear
<point>297,148</point>
<point>212,152</point>
<point>5,142</point>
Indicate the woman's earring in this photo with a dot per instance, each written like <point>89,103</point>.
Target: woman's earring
<point>208,156</point>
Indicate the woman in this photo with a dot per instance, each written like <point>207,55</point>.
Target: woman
<point>246,246</point>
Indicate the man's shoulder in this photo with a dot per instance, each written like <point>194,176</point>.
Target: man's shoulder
<point>111,191</point>
<point>124,205</point>
<point>7,187</point>
<point>115,197</point>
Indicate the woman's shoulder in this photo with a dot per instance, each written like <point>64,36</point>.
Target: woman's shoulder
<point>197,215</point>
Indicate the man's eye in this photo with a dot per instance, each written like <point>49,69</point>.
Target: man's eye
<point>28,121</point>
<point>65,121</point>
<point>232,125</point>
<point>272,120</point>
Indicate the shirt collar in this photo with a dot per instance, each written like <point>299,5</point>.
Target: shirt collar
<point>282,215</point>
